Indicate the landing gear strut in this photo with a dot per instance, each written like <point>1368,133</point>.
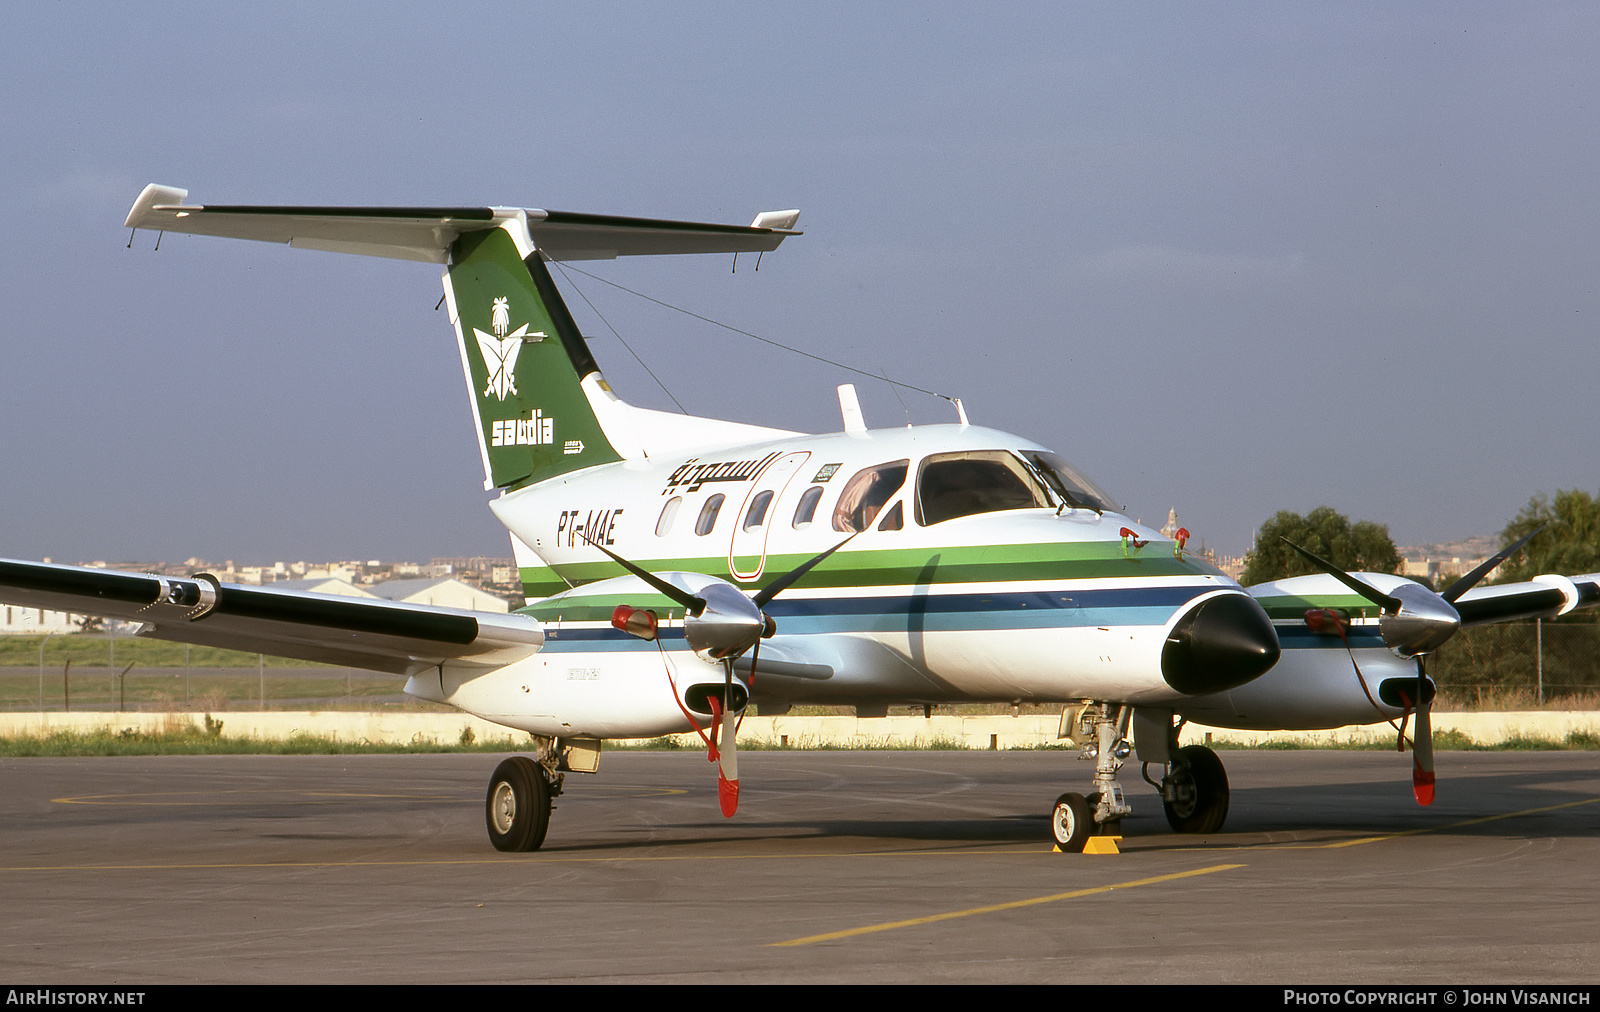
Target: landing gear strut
<point>1103,728</point>
<point>517,806</point>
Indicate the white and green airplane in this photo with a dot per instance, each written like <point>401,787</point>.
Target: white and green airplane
<point>680,568</point>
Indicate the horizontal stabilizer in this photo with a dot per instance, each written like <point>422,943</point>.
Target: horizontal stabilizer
<point>329,629</point>
<point>426,233</point>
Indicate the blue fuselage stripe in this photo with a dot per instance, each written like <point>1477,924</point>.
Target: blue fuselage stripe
<point>1143,606</point>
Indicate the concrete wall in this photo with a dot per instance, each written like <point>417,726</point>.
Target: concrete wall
<point>800,732</point>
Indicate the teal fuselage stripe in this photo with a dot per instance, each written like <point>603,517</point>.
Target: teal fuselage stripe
<point>912,614</point>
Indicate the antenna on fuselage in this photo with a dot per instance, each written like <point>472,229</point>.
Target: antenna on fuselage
<point>855,424</point>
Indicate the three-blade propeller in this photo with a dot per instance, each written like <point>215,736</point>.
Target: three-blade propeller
<point>720,624</point>
<point>1414,623</point>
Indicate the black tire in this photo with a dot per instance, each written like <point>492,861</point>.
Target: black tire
<point>517,807</point>
<point>1071,823</point>
<point>1201,804</point>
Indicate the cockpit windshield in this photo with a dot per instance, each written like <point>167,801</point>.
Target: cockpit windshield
<point>1069,483</point>
<point>975,481</point>
<point>952,485</point>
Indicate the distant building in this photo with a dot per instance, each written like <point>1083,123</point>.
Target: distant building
<point>441,592</point>
<point>324,585</point>
<point>1449,559</point>
<point>18,621</point>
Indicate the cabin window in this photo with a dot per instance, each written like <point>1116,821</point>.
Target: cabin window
<point>669,513</point>
<point>708,515</point>
<point>955,485</point>
<point>807,510</point>
<point>867,493</point>
<point>756,515</point>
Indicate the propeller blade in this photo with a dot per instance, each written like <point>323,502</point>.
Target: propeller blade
<point>694,604</point>
<point>728,761</point>
<point>1422,758</point>
<point>1469,581</point>
<point>728,769</point>
<point>1422,743</point>
<point>787,580</point>
<point>1377,597</point>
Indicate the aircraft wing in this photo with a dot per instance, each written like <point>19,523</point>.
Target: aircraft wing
<point>1541,597</point>
<point>426,233</point>
<point>379,635</point>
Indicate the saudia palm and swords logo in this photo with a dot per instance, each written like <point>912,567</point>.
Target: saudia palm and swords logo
<point>500,351</point>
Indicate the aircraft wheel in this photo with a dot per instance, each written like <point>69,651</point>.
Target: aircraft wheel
<point>1071,822</point>
<point>1200,796</point>
<point>517,807</point>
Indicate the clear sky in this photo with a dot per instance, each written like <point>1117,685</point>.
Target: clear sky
<point>1228,258</point>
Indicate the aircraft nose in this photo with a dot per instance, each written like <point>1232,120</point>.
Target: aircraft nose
<point>1221,643</point>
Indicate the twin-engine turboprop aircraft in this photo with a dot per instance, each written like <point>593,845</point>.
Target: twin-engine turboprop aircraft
<point>680,568</point>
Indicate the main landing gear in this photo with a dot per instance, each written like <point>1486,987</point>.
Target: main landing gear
<point>1194,791</point>
<point>1194,785</point>
<point>517,806</point>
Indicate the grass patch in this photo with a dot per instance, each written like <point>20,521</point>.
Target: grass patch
<point>805,744</point>
<point>1511,699</point>
<point>191,740</point>
<point>165,689</point>
<point>800,744</point>
<point>1450,740</point>
<point>98,649</point>
<point>1302,745</point>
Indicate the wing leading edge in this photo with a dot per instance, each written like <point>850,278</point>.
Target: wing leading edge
<point>426,233</point>
<point>379,635</point>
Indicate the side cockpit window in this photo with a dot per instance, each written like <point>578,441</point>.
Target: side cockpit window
<point>866,494</point>
<point>953,485</point>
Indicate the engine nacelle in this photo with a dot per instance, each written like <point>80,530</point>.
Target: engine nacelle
<point>567,694</point>
<point>1314,686</point>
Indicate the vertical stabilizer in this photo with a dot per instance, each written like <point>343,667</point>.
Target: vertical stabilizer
<point>524,360</point>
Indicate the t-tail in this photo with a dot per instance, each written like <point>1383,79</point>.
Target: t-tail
<point>541,405</point>
<point>531,375</point>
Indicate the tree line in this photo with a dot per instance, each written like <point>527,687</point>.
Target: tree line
<point>1560,657</point>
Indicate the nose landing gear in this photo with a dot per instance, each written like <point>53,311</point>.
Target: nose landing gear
<point>1102,728</point>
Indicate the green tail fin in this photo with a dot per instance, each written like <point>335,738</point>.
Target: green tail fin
<point>524,359</point>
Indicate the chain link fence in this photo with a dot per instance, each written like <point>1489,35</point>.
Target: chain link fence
<point>1533,662</point>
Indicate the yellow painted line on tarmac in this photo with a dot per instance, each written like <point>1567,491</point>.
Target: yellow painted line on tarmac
<point>1459,825</point>
<point>997,907</point>
<point>1397,834</point>
<point>530,860</point>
